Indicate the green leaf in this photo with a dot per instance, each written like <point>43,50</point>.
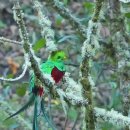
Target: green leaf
<point>39,44</point>
<point>21,91</point>
<point>10,76</point>
<point>127,15</point>
<point>2,25</point>
<point>88,5</point>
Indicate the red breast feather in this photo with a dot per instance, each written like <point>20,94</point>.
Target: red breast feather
<point>38,90</point>
<point>57,75</point>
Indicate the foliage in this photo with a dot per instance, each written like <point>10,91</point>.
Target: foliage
<point>101,67</point>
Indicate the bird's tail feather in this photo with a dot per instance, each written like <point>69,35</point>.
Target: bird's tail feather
<point>29,103</point>
<point>35,122</point>
<point>45,116</point>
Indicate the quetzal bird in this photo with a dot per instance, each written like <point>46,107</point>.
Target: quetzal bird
<point>56,68</point>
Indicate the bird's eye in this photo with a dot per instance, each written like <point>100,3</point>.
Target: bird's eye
<point>58,57</point>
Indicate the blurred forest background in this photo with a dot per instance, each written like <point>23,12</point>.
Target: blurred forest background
<point>107,91</point>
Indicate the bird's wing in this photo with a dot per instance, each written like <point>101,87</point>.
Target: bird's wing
<point>60,66</point>
<point>47,67</point>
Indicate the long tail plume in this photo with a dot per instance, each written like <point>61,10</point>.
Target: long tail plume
<point>35,122</point>
<point>45,116</point>
<point>29,103</point>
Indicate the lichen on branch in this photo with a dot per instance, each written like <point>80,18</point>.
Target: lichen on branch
<point>46,30</point>
<point>112,116</point>
<point>89,48</point>
<point>66,13</point>
<point>31,55</point>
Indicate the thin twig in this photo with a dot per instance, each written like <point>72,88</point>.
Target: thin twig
<point>66,13</point>
<point>5,40</point>
<point>20,76</point>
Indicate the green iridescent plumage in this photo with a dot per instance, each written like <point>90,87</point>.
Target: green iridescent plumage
<point>56,59</point>
<point>56,68</point>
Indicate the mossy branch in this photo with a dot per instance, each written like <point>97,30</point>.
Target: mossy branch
<point>88,51</point>
<point>120,40</point>
<point>28,51</point>
<point>5,40</point>
<point>66,13</point>
<point>97,10</point>
<point>112,116</point>
<point>26,44</point>
<point>46,30</point>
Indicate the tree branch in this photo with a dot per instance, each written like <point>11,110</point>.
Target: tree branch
<point>112,116</point>
<point>90,46</point>
<point>46,30</point>
<point>5,40</point>
<point>22,74</point>
<point>33,59</point>
<point>63,11</point>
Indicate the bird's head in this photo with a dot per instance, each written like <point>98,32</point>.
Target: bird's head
<point>58,56</point>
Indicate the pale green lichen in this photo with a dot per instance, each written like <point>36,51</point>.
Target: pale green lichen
<point>91,44</point>
<point>5,40</point>
<point>112,116</point>
<point>89,48</point>
<point>125,1</point>
<point>46,30</point>
<point>66,13</point>
<point>73,92</point>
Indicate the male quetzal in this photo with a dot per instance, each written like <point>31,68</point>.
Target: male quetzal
<point>56,68</point>
<point>53,66</point>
